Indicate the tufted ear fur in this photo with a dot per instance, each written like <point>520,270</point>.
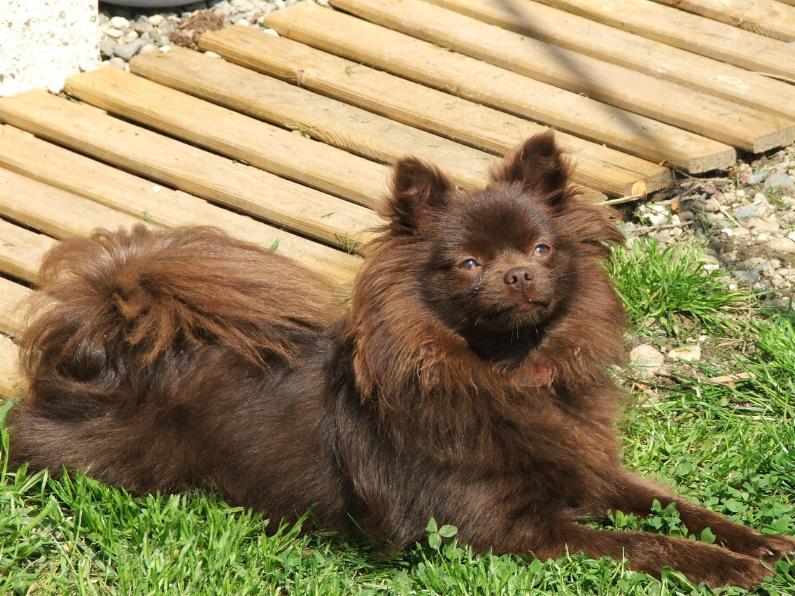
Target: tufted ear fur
<point>418,189</point>
<point>540,167</point>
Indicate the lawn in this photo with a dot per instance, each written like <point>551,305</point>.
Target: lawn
<point>721,429</point>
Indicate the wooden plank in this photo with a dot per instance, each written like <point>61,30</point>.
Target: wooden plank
<point>14,299</point>
<point>11,382</point>
<point>333,122</point>
<point>599,167</point>
<point>766,17</point>
<point>93,132</point>
<point>689,32</point>
<point>715,118</point>
<point>23,153</point>
<point>633,51</point>
<point>54,211</point>
<point>488,84</point>
<point>21,250</point>
<point>243,138</point>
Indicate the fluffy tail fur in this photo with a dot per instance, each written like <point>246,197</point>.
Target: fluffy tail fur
<point>120,304</point>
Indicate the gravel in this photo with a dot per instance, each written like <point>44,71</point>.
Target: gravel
<point>126,32</point>
<point>744,218</point>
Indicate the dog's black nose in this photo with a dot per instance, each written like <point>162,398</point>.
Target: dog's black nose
<point>519,278</point>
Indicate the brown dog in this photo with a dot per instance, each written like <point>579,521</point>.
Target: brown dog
<point>467,382</point>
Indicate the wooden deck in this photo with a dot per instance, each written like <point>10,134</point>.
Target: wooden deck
<point>285,141</point>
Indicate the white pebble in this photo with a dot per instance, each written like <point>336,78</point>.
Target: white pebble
<point>120,23</point>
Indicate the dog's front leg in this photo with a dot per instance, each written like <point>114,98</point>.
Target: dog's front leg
<point>634,494</point>
<point>649,553</point>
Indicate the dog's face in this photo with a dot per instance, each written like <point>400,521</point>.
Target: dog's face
<point>497,261</point>
<point>507,257</point>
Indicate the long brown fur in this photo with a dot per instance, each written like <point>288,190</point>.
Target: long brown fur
<point>469,380</point>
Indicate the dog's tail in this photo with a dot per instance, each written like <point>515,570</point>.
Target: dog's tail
<point>118,304</point>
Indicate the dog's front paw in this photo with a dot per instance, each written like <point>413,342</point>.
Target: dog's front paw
<point>772,548</point>
<point>736,570</point>
<point>766,548</point>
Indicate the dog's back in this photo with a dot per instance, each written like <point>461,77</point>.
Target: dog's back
<point>141,330</point>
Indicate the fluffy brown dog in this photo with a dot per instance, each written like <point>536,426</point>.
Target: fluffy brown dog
<point>467,382</point>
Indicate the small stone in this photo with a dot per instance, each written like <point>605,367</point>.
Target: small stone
<point>212,55</point>
<point>689,353</point>
<point>118,63</point>
<point>791,236</point>
<point>119,23</point>
<point>686,216</point>
<point>747,277</point>
<point>128,50</point>
<point>646,360</point>
<point>711,205</point>
<point>147,49</point>
<point>757,177</point>
<point>779,180</point>
<point>106,47</point>
<point>114,33</point>
<point>143,26</point>
<point>746,212</point>
<point>782,245</point>
<point>156,20</point>
<point>762,225</point>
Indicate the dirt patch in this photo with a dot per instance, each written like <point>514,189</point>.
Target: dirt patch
<point>188,31</point>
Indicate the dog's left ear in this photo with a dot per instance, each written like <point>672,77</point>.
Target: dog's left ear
<point>540,167</point>
<point>418,191</point>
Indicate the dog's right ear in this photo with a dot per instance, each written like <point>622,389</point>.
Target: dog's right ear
<point>418,190</point>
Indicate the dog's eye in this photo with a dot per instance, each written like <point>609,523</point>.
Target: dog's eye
<point>541,250</point>
<point>469,263</point>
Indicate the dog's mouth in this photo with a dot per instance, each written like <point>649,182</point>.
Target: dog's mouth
<point>530,304</point>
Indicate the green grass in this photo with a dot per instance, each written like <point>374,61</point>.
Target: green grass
<point>664,286</point>
<point>727,446</point>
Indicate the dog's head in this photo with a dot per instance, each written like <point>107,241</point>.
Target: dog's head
<point>506,257</point>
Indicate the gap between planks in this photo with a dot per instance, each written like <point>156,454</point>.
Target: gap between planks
<point>476,80</point>
<point>91,131</point>
<point>689,32</point>
<point>713,117</point>
<point>224,131</point>
<point>765,17</point>
<point>599,167</point>
<point>25,154</point>
<point>334,122</point>
<point>610,44</point>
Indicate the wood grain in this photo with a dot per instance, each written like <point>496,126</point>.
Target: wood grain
<point>21,250</point>
<point>689,32</point>
<point>13,304</point>
<point>328,120</point>
<point>25,154</point>
<point>719,119</point>
<point>657,59</point>
<point>232,134</point>
<point>598,167</point>
<point>765,17</point>
<point>11,382</point>
<point>488,84</point>
<point>90,130</point>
